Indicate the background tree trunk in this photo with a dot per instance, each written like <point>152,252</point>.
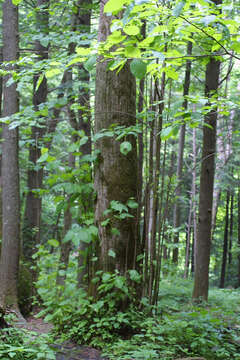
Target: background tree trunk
<point>9,262</point>
<point>33,208</point>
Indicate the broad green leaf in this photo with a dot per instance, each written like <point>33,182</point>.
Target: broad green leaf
<point>16,2</point>
<point>51,73</point>
<point>83,51</point>
<point>131,30</point>
<point>167,132</point>
<point>134,275</point>
<point>111,253</point>
<point>171,73</point>
<point>90,63</point>
<point>208,19</point>
<point>105,222</point>
<point>53,243</point>
<point>117,206</point>
<point>125,147</point>
<point>106,276</point>
<point>43,158</point>
<point>236,46</point>
<point>116,37</point>
<point>114,5</point>
<point>132,204</point>
<point>138,68</point>
<point>132,52</point>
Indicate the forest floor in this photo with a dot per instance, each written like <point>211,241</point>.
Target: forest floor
<point>66,350</point>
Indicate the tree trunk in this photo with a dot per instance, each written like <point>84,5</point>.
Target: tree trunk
<point>181,144</point>
<point>203,244</point>
<point>225,243</point>
<point>231,229</point>
<point>33,208</point>
<point>238,232</point>
<point>115,173</point>
<point>9,262</point>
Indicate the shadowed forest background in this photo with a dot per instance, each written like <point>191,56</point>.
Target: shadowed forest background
<point>120,182</point>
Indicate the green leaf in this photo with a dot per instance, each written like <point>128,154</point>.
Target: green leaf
<point>138,68</point>
<point>132,52</point>
<point>90,63</point>
<point>132,204</point>
<point>178,8</point>
<point>114,5</point>
<point>105,222</point>
<point>167,132</point>
<point>106,277</point>
<point>111,253</point>
<point>134,275</point>
<point>51,73</point>
<point>208,19</point>
<point>117,206</point>
<point>43,158</point>
<point>131,30</point>
<point>53,243</point>
<point>125,147</point>
<point>16,2</point>
<point>236,46</point>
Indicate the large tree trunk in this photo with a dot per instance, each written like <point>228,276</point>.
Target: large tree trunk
<point>9,263</point>
<point>115,173</point>
<point>203,244</point>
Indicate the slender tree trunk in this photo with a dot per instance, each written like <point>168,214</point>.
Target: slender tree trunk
<point>203,244</point>
<point>238,205</point>
<point>231,229</point>
<point>115,173</point>
<point>188,236</point>
<point>177,208</point>
<point>9,262</point>
<point>33,208</point>
<point>194,192</point>
<point>225,243</point>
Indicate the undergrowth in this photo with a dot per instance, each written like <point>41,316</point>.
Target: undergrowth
<point>19,344</point>
<point>174,328</point>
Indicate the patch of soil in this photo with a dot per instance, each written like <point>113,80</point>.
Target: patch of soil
<point>67,350</point>
<point>37,325</point>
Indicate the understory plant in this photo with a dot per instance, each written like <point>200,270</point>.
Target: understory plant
<point>19,344</point>
<point>125,328</point>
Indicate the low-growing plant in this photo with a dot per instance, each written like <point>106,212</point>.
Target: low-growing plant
<point>19,344</point>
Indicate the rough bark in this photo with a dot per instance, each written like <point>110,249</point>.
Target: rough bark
<point>9,262</point>
<point>203,244</point>
<point>115,173</point>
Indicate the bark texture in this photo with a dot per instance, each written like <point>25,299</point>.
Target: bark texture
<point>203,244</point>
<point>9,263</point>
<point>115,173</point>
